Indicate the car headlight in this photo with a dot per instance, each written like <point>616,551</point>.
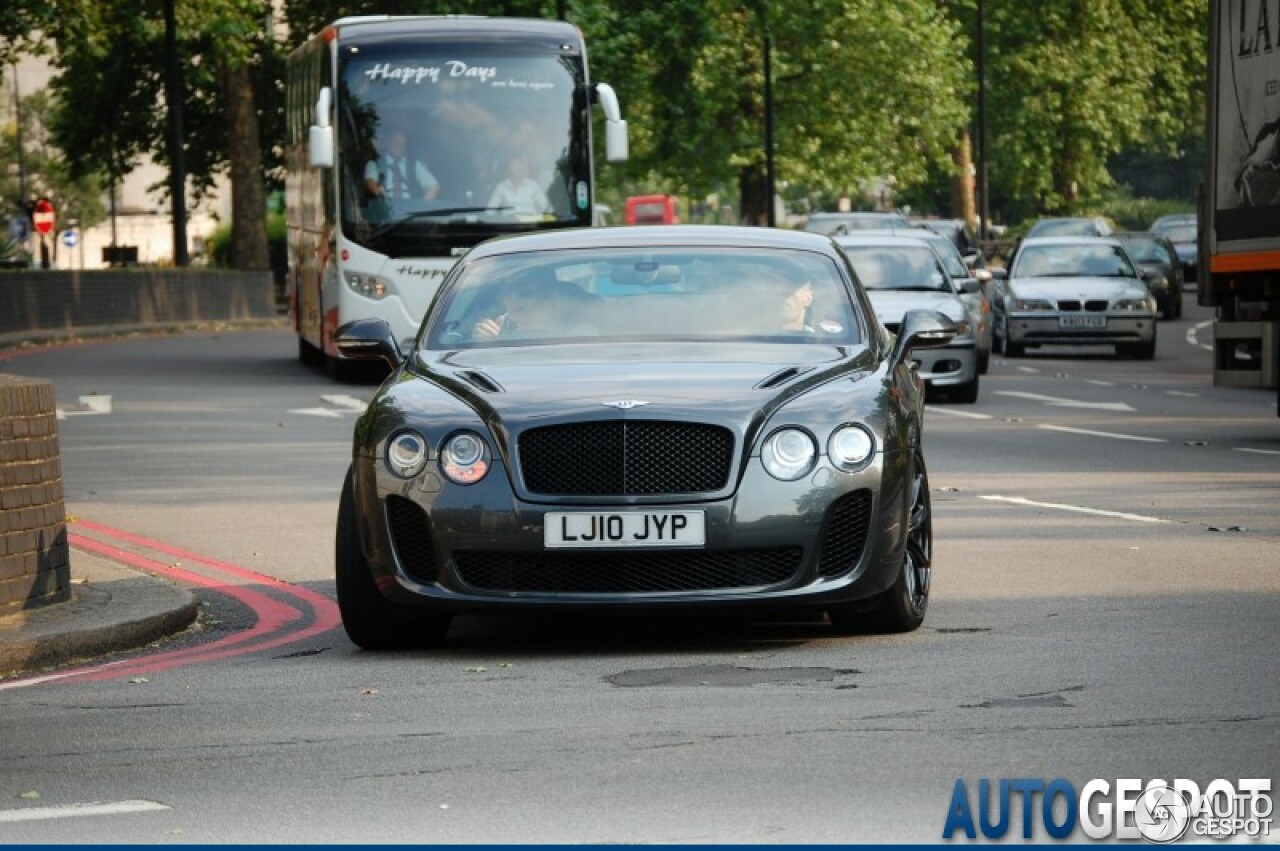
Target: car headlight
<point>851,447</point>
<point>369,286</point>
<point>1025,304</point>
<point>789,453</point>
<point>1134,304</point>
<point>406,454</point>
<point>464,458</point>
<point>1158,282</point>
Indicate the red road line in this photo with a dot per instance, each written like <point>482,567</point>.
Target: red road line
<point>272,615</point>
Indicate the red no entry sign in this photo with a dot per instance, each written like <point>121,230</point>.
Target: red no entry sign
<point>42,216</point>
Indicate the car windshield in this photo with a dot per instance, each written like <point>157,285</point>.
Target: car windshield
<point>660,296</point>
<point>1145,250</point>
<point>905,267</point>
<point>1063,227</point>
<point>1072,261</point>
<point>1181,233</point>
<point>833,224</point>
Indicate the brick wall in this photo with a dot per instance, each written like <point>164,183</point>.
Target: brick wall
<point>34,564</point>
<point>54,304</point>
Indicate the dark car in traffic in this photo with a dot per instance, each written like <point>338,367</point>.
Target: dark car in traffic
<point>644,419</point>
<point>1183,233</point>
<point>1071,226</point>
<point>1158,262</point>
<point>837,224</point>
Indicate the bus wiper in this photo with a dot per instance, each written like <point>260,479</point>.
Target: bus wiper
<point>430,214</point>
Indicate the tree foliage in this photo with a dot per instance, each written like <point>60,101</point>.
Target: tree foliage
<point>1081,80</point>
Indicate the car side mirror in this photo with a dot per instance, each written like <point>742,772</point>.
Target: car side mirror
<point>320,134</point>
<point>922,329</point>
<point>368,339</point>
<point>970,285</point>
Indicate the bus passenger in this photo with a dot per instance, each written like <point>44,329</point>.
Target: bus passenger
<point>520,193</point>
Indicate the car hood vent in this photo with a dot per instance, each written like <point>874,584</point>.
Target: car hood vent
<point>480,381</point>
<point>782,376</point>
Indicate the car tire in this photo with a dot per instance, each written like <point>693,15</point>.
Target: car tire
<point>966,393</point>
<point>902,608</point>
<point>309,355</point>
<point>371,620</point>
<point>984,362</point>
<point>1007,348</point>
<point>1138,351</point>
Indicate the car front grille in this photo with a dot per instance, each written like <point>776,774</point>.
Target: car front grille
<point>844,534</point>
<point>1096,305</point>
<point>626,458</point>
<point>627,572</point>
<point>411,538</point>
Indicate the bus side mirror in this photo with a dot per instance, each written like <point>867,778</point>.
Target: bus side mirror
<point>320,137</point>
<point>616,147</point>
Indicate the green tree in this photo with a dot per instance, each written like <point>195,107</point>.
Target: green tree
<point>75,196</point>
<point>861,90</point>
<point>1081,80</point>
<point>111,61</point>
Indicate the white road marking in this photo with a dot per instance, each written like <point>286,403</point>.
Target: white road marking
<point>342,403</point>
<point>74,810</point>
<point>1182,393</point>
<point>1259,451</point>
<point>1102,433</point>
<point>1101,383</point>
<point>1027,369</point>
<point>1059,402</point>
<point>90,405</point>
<point>952,412</point>
<point>1079,509</point>
<point>351,403</point>
<point>1193,335</point>
<point>318,412</point>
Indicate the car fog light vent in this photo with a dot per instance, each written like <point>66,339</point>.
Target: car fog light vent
<point>844,534</point>
<point>411,538</point>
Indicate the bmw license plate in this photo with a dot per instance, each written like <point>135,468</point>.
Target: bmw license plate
<point>1082,321</point>
<point>563,529</point>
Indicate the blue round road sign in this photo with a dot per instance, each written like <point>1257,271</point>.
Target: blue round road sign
<point>69,238</point>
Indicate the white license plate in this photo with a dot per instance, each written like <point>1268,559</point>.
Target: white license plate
<point>562,529</point>
<point>1084,321</point>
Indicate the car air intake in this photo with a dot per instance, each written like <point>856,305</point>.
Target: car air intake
<point>411,538</point>
<point>845,533</point>
<point>626,458</point>
<point>626,572</point>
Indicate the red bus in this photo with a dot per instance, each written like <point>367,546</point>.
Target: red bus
<point>652,210</point>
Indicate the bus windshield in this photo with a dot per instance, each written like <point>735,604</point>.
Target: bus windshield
<point>446,144</point>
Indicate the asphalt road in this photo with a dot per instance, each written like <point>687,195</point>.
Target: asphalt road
<point>1105,605</point>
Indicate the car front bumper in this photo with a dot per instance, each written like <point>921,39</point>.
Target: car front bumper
<point>829,538</point>
<point>947,366</point>
<point>1053,329</point>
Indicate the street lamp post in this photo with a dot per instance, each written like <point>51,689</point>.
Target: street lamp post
<point>177,164</point>
<point>771,216</point>
<point>984,209</point>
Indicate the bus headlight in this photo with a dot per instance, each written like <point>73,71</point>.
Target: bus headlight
<point>369,286</point>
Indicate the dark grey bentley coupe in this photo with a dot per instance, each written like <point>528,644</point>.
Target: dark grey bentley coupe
<point>679,418</point>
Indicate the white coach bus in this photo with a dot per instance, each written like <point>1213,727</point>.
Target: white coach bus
<point>411,139</point>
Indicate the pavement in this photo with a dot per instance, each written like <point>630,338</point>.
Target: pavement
<point>112,607</point>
